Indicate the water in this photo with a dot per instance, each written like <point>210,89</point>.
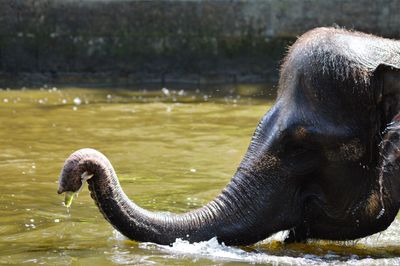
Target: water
<point>173,151</point>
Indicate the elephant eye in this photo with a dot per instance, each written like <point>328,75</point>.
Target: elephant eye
<point>299,150</point>
<point>297,141</point>
<point>302,158</point>
<point>294,148</point>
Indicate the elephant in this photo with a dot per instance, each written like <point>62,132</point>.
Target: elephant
<point>323,162</point>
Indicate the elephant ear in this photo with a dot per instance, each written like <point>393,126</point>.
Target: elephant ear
<point>390,158</point>
<point>388,77</point>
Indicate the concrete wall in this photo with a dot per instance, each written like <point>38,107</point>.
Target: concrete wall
<point>165,41</point>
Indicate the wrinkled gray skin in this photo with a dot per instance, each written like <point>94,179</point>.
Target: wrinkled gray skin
<point>323,161</point>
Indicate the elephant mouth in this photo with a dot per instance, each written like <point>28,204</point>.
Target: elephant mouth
<point>70,194</point>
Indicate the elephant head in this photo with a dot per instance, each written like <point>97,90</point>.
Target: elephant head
<point>317,165</point>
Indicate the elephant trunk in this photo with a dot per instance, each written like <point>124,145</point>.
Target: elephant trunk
<point>238,216</point>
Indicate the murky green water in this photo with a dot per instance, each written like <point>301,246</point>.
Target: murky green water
<point>173,151</point>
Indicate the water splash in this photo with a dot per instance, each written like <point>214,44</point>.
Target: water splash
<point>165,91</point>
<point>77,101</point>
<point>258,254</point>
<point>215,251</point>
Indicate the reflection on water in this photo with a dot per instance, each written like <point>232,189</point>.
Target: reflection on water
<point>173,149</point>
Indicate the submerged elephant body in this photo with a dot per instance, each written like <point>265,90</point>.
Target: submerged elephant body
<point>322,163</point>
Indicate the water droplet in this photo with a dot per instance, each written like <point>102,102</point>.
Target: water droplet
<point>380,213</point>
<point>77,101</point>
<point>165,91</point>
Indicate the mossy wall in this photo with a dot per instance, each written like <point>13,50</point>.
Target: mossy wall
<point>166,41</point>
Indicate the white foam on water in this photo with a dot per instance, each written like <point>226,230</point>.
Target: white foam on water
<point>371,262</point>
<point>215,251</point>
